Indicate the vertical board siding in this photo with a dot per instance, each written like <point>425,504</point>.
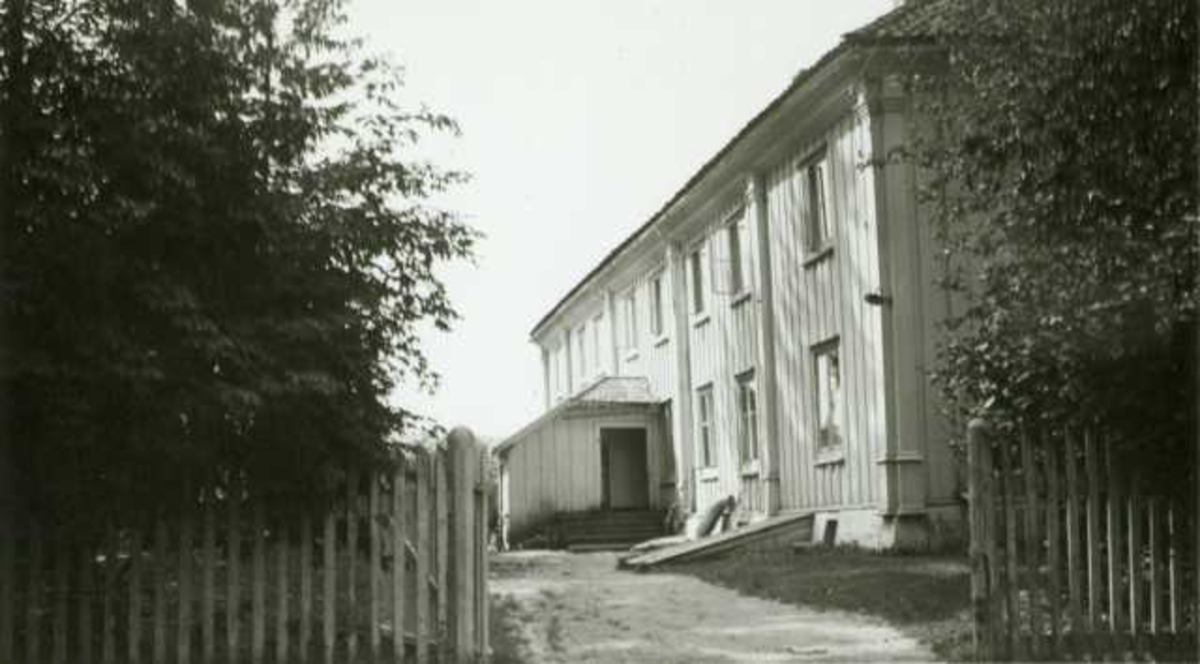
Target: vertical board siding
<point>821,300</point>
<point>1029,598</point>
<point>179,599</point>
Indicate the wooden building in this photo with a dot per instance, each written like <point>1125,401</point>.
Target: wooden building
<point>781,313</point>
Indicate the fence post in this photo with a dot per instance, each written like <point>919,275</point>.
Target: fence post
<point>980,469</point>
<point>462,469</point>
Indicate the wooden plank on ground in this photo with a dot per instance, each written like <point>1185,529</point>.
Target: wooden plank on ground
<point>329,591</point>
<point>399,560</point>
<point>306,588</point>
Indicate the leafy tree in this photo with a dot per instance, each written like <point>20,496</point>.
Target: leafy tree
<point>215,251</point>
<point>1060,149</point>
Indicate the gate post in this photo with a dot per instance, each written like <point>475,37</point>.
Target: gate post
<point>979,467</point>
<point>463,470</point>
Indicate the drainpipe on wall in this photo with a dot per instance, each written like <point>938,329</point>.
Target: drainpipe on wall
<point>768,402</point>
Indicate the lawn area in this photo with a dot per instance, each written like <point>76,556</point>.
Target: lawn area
<point>926,596</point>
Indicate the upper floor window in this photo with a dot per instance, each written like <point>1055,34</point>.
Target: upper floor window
<point>697,269</point>
<point>656,305</point>
<point>704,425</point>
<point>631,324</point>
<point>816,224</point>
<point>596,345</point>
<point>828,366</point>
<point>737,268</point>
<point>747,417</point>
<point>581,348</point>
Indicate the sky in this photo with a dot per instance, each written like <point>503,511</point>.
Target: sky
<point>579,120</point>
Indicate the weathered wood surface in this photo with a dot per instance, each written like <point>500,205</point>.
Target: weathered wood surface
<point>373,572</point>
<point>1118,591</point>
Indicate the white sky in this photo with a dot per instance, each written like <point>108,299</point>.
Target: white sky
<point>579,121</point>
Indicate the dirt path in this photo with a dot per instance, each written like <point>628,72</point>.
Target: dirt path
<point>560,607</point>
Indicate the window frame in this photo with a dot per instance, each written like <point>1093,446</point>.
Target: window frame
<point>818,227</point>
<point>630,327</point>
<point>828,427</point>
<point>706,426</point>
<point>739,282</point>
<point>657,317</point>
<point>749,445</point>
<point>699,299</point>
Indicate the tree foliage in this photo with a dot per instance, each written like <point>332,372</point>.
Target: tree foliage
<point>215,249</point>
<point>1060,154</point>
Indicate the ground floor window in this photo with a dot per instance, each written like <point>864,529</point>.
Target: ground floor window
<point>828,382</point>
<point>704,424</point>
<point>747,391</point>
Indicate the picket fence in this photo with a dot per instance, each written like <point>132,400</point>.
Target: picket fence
<point>397,572</point>
<point>1074,555</point>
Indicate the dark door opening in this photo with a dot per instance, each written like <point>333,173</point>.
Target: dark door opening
<point>623,466</point>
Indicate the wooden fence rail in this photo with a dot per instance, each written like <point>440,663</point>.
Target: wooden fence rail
<point>396,573</point>
<point>1076,556</point>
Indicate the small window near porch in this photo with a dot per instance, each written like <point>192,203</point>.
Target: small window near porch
<point>828,367</point>
<point>747,417</point>
<point>704,423</point>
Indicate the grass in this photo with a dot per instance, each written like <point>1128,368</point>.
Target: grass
<point>926,596</point>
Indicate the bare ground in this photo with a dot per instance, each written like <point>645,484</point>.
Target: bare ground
<point>561,607</point>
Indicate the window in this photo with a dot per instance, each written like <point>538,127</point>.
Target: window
<point>704,421</point>
<point>828,366</point>
<point>631,319</point>
<point>817,222</point>
<point>656,306</point>
<point>596,343</point>
<point>697,266</point>
<point>581,346</point>
<point>737,271</point>
<point>747,417</point>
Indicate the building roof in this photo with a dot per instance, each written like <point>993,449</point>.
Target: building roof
<point>916,21</point>
<point>606,393</point>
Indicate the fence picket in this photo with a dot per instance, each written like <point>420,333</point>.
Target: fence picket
<point>329,592</point>
<point>375,562</point>
<point>1154,537</point>
<point>160,590</point>
<point>233,581</point>
<point>84,611</point>
<point>1135,561</point>
<point>1114,551</point>
<point>258,581</point>
<point>134,643</point>
<point>183,642</point>
<point>1074,590</point>
<point>422,567</point>
<point>1029,477</point>
<point>441,539</point>
<point>306,588</point>
<point>1093,532</point>
<point>1012,603</point>
<point>281,594</point>
<point>61,591</point>
<point>108,641</point>
<point>1053,540</point>
<point>208,582</point>
<point>7,594</point>
<point>1174,539</point>
<point>399,560</point>
<point>352,566</point>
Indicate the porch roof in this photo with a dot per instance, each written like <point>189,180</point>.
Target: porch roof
<point>606,392</point>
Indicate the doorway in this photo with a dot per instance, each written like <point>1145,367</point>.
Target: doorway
<point>624,480</point>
